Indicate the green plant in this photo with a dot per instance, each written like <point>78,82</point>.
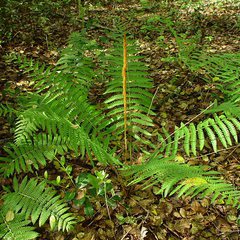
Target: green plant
<point>15,227</point>
<point>152,25</point>
<point>89,188</point>
<point>220,70</point>
<point>40,203</point>
<point>58,118</point>
<point>190,180</point>
<point>138,98</point>
<point>220,128</point>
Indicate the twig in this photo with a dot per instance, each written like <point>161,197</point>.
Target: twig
<point>185,125</point>
<point>221,150</point>
<point>172,231</point>
<point>126,233</point>
<point>236,146</point>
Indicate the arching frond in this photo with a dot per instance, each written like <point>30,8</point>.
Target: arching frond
<point>30,155</point>
<point>15,227</point>
<point>220,129</point>
<point>183,179</point>
<point>40,203</point>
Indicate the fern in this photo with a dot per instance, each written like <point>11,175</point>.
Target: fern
<point>59,118</point>
<point>182,178</point>
<point>62,110</point>
<point>221,70</point>
<point>16,227</point>
<point>139,98</point>
<point>40,203</point>
<point>62,105</point>
<point>30,155</point>
<point>220,128</point>
<point>6,109</point>
<point>74,66</point>
<point>229,108</point>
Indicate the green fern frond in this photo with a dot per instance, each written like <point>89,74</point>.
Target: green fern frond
<point>182,179</point>
<point>74,66</point>
<point>40,203</point>
<point>6,109</point>
<point>229,108</point>
<point>71,123</point>
<point>32,151</point>
<point>222,128</point>
<point>67,104</point>
<point>30,155</point>
<point>139,98</point>
<point>77,61</point>
<point>221,70</point>
<point>15,227</point>
<point>41,75</point>
<point>204,186</point>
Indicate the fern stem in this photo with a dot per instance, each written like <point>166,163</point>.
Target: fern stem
<point>124,77</point>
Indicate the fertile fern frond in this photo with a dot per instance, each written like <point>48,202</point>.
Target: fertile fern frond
<point>182,178</point>
<point>15,227</point>
<point>220,129</point>
<point>139,98</point>
<point>40,203</point>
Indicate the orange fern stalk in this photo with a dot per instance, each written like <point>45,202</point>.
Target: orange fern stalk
<point>124,76</point>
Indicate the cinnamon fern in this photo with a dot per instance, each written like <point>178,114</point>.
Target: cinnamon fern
<point>15,226</point>
<point>40,203</point>
<point>219,69</point>
<point>183,179</point>
<point>58,118</point>
<point>220,130</point>
<point>137,87</point>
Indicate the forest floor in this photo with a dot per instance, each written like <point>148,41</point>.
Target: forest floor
<point>180,96</point>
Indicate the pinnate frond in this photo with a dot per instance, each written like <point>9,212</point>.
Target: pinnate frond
<point>182,179</point>
<point>220,129</point>
<point>16,227</point>
<point>40,203</point>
